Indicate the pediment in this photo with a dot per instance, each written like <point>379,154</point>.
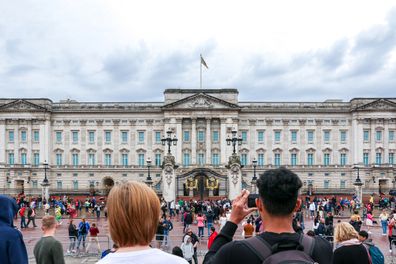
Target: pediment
<point>379,104</point>
<point>201,101</point>
<point>22,105</point>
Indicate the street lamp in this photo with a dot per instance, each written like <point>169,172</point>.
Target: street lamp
<point>234,140</point>
<point>148,179</point>
<point>254,179</point>
<point>254,169</point>
<point>169,140</point>
<point>45,184</point>
<point>358,184</point>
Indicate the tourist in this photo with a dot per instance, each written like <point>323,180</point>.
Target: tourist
<point>12,247</point>
<point>23,213</point>
<point>31,214</point>
<point>177,251</point>
<point>188,219</point>
<point>212,236</point>
<point>194,241</point>
<point>349,250</point>
<point>392,232</point>
<point>369,221</point>
<point>46,208</point>
<point>356,221</point>
<point>83,228</point>
<point>168,226</point>
<point>312,209</point>
<point>375,253</point>
<point>133,213</point>
<point>222,220</point>
<point>73,234</point>
<point>248,229</point>
<point>201,225</point>
<point>187,249</point>
<point>278,190</point>
<point>159,234</point>
<point>383,217</point>
<point>48,250</point>
<point>209,220</point>
<point>93,237</point>
<point>58,214</point>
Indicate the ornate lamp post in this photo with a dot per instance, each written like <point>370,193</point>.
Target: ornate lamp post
<point>254,179</point>
<point>169,140</point>
<point>45,184</point>
<point>358,184</point>
<point>149,181</point>
<point>234,140</point>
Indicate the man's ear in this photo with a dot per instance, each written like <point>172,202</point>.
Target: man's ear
<point>298,205</point>
<point>259,205</point>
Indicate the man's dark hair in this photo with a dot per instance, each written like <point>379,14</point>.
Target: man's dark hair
<point>278,189</point>
<point>364,234</point>
<point>177,251</point>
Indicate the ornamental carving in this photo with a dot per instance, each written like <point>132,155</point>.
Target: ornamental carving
<point>168,173</point>
<point>234,172</point>
<point>201,102</point>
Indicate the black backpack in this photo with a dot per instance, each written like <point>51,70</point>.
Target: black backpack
<point>83,229</point>
<point>290,252</point>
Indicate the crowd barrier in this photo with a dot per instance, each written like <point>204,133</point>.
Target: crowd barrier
<point>104,243</point>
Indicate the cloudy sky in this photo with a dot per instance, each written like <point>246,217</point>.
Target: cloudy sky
<point>92,50</point>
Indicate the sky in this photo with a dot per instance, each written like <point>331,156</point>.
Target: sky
<point>119,50</point>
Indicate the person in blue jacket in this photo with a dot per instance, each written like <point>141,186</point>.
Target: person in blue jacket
<point>12,247</point>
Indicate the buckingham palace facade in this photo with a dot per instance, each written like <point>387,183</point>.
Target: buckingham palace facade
<point>85,147</point>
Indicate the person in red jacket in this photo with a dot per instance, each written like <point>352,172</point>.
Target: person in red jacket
<point>93,232</point>
<point>212,236</point>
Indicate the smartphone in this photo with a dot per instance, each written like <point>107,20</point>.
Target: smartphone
<point>252,200</point>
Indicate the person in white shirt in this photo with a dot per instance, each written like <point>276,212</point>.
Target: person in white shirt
<point>133,214</point>
<point>188,249</point>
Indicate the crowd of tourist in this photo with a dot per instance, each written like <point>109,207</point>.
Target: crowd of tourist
<point>273,231</point>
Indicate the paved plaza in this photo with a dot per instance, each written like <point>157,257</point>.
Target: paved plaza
<point>32,235</point>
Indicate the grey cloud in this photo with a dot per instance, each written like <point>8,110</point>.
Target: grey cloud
<point>124,65</point>
<point>333,57</point>
<point>20,69</point>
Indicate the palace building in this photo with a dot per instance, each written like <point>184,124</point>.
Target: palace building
<point>86,147</point>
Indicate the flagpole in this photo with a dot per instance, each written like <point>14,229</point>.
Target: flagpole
<point>200,76</point>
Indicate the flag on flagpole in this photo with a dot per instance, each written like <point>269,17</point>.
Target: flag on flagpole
<point>204,63</point>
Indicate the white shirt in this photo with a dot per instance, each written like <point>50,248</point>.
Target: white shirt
<point>147,256</point>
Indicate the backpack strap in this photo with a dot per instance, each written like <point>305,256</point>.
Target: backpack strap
<point>308,243</point>
<point>259,246</point>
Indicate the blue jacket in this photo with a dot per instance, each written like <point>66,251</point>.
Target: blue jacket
<point>12,247</point>
<point>87,226</point>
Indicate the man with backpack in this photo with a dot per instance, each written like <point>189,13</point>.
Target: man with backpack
<point>83,229</point>
<point>375,253</point>
<point>278,199</point>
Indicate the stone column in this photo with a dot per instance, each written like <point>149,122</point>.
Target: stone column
<point>223,143</point>
<point>193,141</point>
<point>234,176</point>
<point>179,136</point>
<point>169,178</point>
<point>3,158</point>
<point>208,142</point>
<point>115,142</point>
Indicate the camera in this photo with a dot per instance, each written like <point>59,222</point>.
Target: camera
<point>252,200</point>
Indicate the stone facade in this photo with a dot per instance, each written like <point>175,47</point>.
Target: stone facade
<point>91,146</point>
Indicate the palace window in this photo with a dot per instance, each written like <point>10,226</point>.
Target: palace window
<point>260,136</point>
<point>36,159</point>
<point>343,159</point>
<point>366,160</point>
<point>158,160</point>
<point>36,136</point>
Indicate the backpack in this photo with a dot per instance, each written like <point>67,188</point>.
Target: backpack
<point>285,252</point>
<point>375,253</point>
<point>83,229</point>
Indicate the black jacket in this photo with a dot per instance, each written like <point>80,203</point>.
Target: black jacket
<point>224,250</point>
<point>351,255</point>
